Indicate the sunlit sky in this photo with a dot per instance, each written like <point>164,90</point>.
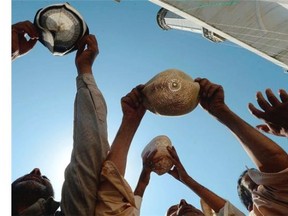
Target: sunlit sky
<point>133,48</point>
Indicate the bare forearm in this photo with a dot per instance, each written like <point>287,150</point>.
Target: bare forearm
<point>213,200</point>
<point>142,183</point>
<point>140,189</point>
<point>121,144</point>
<point>266,154</point>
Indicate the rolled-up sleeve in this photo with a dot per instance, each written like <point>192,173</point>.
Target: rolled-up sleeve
<point>119,199</point>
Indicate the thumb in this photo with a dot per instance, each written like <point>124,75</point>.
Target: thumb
<point>263,128</point>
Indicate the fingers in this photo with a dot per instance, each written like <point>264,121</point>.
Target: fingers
<point>283,95</point>
<point>150,155</point>
<point>274,129</point>
<point>148,159</point>
<point>172,152</point>
<point>91,43</point>
<point>140,87</point>
<point>207,88</point>
<point>262,102</point>
<point>272,98</point>
<point>28,45</point>
<point>134,98</point>
<point>20,43</point>
<point>31,30</point>
<point>263,128</point>
<point>256,112</point>
<point>26,27</point>
<point>174,156</point>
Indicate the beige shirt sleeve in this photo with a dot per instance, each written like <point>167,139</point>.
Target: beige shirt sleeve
<point>119,200</point>
<point>227,210</point>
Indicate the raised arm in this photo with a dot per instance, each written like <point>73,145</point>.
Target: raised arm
<point>90,137</point>
<point>266,154</point>
<point>133,112</point>
<point>178,172</point>
<point>274,112</point>
<point>144,177</point>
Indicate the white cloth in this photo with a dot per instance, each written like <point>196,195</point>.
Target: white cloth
<point>119,200</point>
<point>271,197</point>
<point>227,210</point>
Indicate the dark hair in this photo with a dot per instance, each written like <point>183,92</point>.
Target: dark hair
<point>244,193</point>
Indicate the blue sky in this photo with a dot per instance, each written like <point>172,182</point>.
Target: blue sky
<point>133,48</point>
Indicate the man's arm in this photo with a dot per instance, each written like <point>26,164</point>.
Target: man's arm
<point>90,138</point>
<point>178,172</point>
<point>133,112</point>
<point>145,174</point>
<point>266,154</point>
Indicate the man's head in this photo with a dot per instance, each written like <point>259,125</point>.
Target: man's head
<point>183,208</point>
<point>245,187</point>
<point>27,189</point>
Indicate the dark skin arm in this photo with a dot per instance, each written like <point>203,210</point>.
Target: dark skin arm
<point>266,154</point>
<point>133,112</point>
<point>179,173</point>
<point>274,112</point>
<point>145,174</point>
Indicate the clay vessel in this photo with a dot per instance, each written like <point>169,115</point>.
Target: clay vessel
<point>161,162</point>
<point>171,93</point>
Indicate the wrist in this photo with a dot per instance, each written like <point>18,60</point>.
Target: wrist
<point>131,120</point>
<point>221,111</point>
<point>84,69</point>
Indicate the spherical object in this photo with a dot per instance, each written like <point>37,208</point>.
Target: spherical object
<point>161,162</point>
<point>172,93</point>
<point>61,27</point>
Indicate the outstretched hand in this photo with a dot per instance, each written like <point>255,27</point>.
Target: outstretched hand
<point>86,54</point>
<point>274,114</point>
<point>20,44</point>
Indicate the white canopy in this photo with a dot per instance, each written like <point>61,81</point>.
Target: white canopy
<point>260,26</point>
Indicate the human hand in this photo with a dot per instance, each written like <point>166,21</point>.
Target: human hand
<point>20,44</point>
<point>211,96</point>
<point>132,105</point>
<point>274,114</point>
<point>145,173</point>
<point>147,166</point>
<point>178,171</point>
<point>86,54</point>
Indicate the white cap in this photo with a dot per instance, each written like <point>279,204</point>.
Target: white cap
<point>61,27</point>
